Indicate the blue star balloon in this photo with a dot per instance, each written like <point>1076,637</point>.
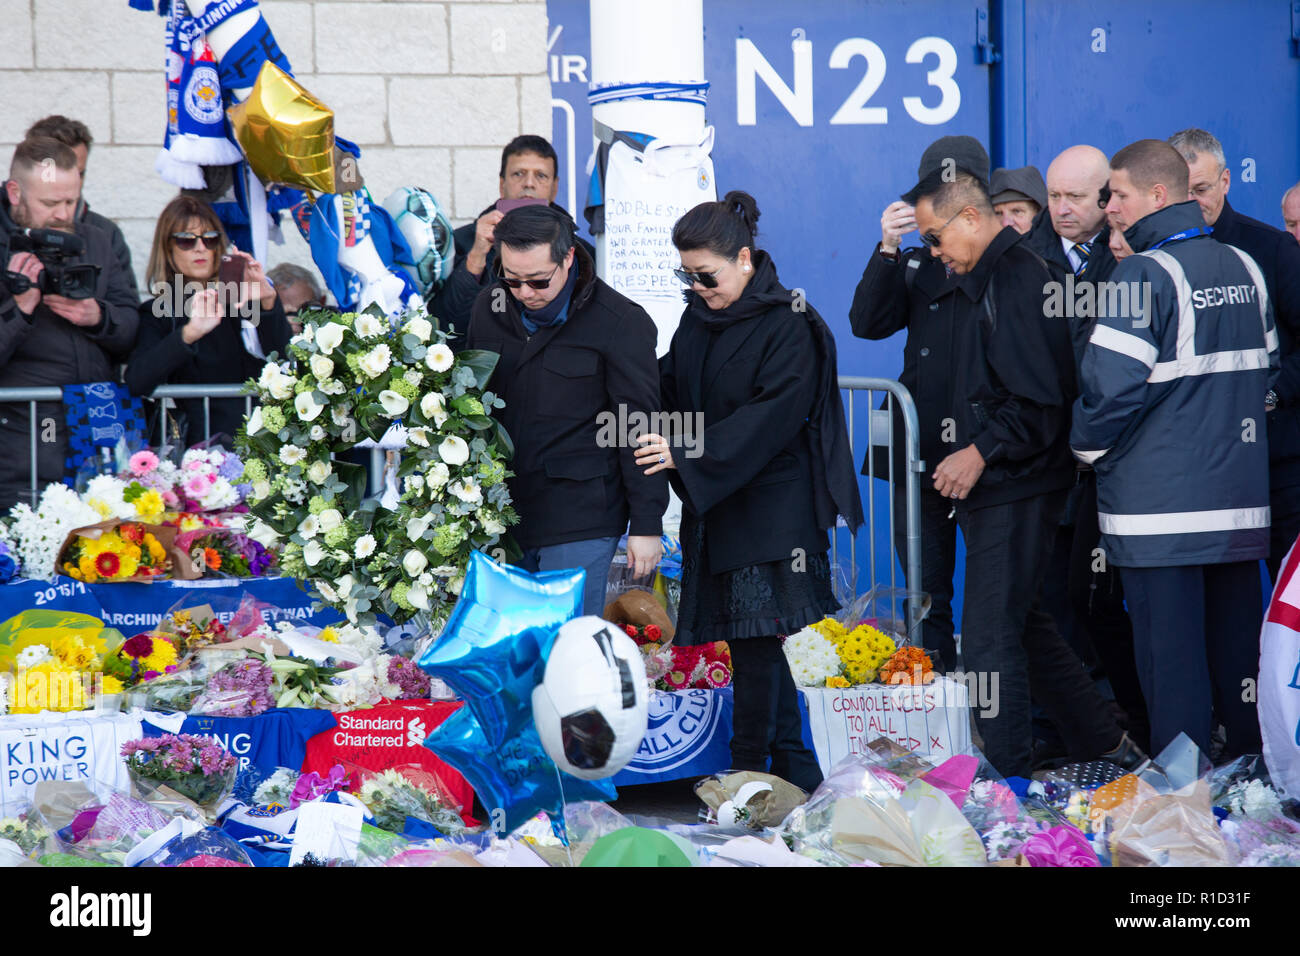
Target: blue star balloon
<point>494,647</point>
<point>514,780</point>
<point>493,653</point>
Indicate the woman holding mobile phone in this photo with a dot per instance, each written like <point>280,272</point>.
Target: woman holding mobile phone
<point>197,330</point>
<point>753,365</point>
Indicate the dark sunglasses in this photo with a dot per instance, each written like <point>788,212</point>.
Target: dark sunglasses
<point>707,279</point>
<point>531,283</point>
<point>186,240</point>
<point>931,239</point>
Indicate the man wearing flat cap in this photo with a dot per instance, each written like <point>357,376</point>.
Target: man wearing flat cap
<point>1018,196</point>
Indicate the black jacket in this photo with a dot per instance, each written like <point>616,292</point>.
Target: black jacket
<point>161,357</point>
<point>1044,241</point>
<point>903,294</point>
<point>1278,256</point>
<point>44,349</point>
<point>452,303</point>
<point>121,251</point>
<point>990,369</point>
<point>773,468</point>
<point>571,483</point>
<point>1013,376</point>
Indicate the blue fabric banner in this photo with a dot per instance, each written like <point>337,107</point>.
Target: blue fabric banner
<point>136,607</point>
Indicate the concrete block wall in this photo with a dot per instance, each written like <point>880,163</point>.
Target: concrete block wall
<point>429,91</point>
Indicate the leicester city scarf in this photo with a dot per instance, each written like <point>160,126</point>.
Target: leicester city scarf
<point>98,415</point>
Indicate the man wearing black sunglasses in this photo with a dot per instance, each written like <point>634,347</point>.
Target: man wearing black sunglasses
<point>1010,372</point>
<point>574,353</point>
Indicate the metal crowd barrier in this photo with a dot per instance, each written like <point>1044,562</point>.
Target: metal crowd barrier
<point>880,434</point>
<point>206,392</point>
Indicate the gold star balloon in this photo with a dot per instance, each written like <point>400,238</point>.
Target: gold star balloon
<point>286,133</point>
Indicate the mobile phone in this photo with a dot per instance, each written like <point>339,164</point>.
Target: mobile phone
<point>505,205</point>
<point>231,270</point>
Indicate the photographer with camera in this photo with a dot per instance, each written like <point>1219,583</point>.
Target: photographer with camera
<point>67,312</point>
<point>197,331</point>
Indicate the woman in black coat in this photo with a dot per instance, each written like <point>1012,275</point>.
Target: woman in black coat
<point>186,335</point>
<point>752,368</point>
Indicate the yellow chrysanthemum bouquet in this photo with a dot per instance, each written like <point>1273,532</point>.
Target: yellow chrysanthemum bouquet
<point>862,650</point>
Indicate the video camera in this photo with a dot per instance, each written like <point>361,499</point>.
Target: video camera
<point>59,276</point>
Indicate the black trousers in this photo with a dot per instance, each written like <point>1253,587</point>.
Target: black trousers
<point>1006,632</point>
<point>766,721</point>
<point>1097,595</point>
<point>1196,632</point>
<point>938,561</point>
<point>1283,529</point>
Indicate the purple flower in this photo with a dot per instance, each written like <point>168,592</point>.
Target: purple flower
<point>231,467</point>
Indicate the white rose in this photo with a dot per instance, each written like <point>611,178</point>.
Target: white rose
<point>456,585</point>
<point>437,475</point>
<point>416,527</point>
<point>439,358</point>
<point>292,454</point>
<point>307,406</point>
<point>321,367</point>
<point>394,403</point>
<point>414,376</point>
<point>282,387</point>
<point>414,563</point>
<point>420,328</point>
<point>375,362</point>
<point>434,407</point>
<point>453,450</point>
<point>318,471</point>
<point>330,337</point>
<point>418,436</point>
<point>467,491</point>
<point>255,421</point>
<point>317,433</point>
<point>313,553</point>
<point>426,579</point>
<point>330,519</point>
<point>368,327</point>
<point>309,526</point>
<point>270,372</point>
<point>490,522</point>
<point>414,482</point>
<point>365,546</point>
<point>261,489</point>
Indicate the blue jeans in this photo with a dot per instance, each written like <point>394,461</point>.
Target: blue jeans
<point>593,555</point>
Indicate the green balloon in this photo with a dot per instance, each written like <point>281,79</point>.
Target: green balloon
<point>636,846</point>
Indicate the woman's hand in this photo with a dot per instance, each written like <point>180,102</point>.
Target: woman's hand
<point>254,285</point>
<point>654,453</point>
<point>205,314</point>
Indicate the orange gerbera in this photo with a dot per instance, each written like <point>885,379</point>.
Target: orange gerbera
<point>212,559</point>
<point>908,665</point>
<point>132,532</point>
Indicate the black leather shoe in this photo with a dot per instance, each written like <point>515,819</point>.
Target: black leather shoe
<point>1127,756</point>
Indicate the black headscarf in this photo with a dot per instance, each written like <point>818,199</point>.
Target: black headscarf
<point>834,476</point>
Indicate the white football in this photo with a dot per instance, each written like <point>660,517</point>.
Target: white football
<point>428,232</point>
<point>591,706</point>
